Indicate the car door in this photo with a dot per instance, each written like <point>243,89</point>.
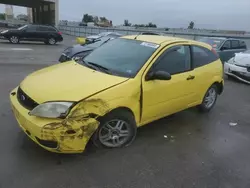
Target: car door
<point>30,33</point>
<point>164,97</point>
<point>225,51</point>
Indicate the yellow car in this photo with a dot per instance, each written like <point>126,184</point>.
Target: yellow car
<point>120,86</point>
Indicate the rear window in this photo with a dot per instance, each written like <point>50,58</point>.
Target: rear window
<point>202,56</point>
<point>215,43</point>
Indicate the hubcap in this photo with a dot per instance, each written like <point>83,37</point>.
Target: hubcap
<point>210,98</point>
<point>114,133</point>
<point>52,41</point>
<point>14,39</point>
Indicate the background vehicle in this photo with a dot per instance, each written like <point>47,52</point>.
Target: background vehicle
<point>104,34</point>
<point>79,51</point>
<point>122,85</point>
<point>225,47</point>
<point>239,67</point>
<point>43,33</point>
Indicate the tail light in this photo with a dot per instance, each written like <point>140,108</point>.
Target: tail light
<point>60,33</point>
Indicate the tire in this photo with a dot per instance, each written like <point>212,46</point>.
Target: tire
<point>209,99</point>
<point>14,39</point>
<point>117,129</point>
<point>51,41</point>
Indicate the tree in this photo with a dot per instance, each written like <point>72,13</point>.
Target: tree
<point>191,25</point>
<point>87,18</point>
<point>96,19</point>
<point>126,23</point>
<point>150,24</point>
<point>103,19</point>
<point>2,16</point>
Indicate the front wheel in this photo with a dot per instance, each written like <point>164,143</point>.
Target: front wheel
<point>209,99</point>
<point>14,39</point>
<point>117,129</point>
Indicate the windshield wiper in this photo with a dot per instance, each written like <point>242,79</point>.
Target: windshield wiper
<point>87,64</point>
<point>100,67</point>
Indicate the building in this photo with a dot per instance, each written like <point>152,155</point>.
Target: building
<point>9,12</point>
<point>39,11</point>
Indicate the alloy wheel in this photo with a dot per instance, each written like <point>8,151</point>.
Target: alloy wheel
<point>210,98</point>
<point>114,133</point>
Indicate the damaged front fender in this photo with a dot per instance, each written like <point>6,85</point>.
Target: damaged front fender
<point>74,132</point>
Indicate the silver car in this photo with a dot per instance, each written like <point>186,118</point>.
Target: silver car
<point>225,47</point>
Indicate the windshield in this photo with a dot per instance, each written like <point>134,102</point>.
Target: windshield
<point>123,57</point>
<point>215,43</point>
<point>20,28</point>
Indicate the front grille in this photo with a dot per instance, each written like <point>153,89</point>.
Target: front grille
<point>25,100</point>
<point>47,143</point>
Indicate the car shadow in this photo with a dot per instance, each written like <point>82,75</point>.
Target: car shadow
<point>31,43</point>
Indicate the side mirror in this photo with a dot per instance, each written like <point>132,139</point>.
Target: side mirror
<point>158,75</point>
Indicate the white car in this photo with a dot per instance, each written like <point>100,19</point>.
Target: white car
<point>239,66</point>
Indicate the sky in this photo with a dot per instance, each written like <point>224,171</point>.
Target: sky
<point>209,14</point>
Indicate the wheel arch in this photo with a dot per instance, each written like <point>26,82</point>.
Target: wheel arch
<point>220,86</point>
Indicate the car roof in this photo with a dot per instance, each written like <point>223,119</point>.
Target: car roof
<point>157,39</point>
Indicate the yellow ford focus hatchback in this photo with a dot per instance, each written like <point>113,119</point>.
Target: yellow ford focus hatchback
<point>122,85</point>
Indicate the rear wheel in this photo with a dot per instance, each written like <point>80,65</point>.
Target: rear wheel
<point>209,99</point>
<point>117,129</point>
<point>14,39</point>
<point>51,41</point>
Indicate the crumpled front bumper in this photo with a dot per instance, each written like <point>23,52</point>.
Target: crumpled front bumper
<point>239,72</point>
<point>69,135</point>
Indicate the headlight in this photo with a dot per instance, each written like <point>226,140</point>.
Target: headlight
<point>231,61</point>
<point>52,109</point>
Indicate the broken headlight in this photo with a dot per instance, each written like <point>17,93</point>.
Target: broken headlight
<point>52,109</point>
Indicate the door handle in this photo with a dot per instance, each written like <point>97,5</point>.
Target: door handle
<point>190,77</point>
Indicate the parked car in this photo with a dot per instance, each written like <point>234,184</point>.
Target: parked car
<point>120,86</point>
<point>103,34</point>
<point>239,67</point>
<point>225,47</point>
<point>79,51</point>
<point>47,34</point>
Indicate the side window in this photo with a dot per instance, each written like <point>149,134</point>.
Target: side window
<point>226,45</point>
<point>202,56</point>
<point>174,60</point>
<point>243,45</point>
<point>31,28</point>
<point>235,44</point>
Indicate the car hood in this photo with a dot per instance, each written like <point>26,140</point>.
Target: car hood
<point>242,59</point>
<point>71,51</point>
<point>68,81</point>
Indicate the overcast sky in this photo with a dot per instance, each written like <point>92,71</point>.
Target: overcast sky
<point>211,14</point>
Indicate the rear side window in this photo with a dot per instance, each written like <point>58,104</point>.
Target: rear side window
<point>44,28</point>
<point>202,56</point>
<point>235,44</point>
<point>243,45</point>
